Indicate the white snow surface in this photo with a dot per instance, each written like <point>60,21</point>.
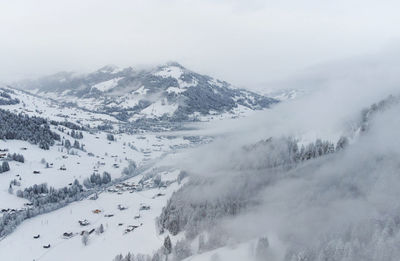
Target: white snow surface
<point>105,246</point>
<point>170,71</point>
<point>107,85</point>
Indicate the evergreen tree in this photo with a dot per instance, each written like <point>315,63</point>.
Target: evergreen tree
<point>167,246</point>
<point>85,238</point>
<point>5,167</point>
<point>262,248</point>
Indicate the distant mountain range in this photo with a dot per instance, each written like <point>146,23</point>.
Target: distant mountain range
<point>166,92</point>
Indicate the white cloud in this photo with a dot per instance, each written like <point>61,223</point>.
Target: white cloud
<point>244,42</point>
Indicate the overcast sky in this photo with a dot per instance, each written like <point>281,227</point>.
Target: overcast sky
<point>242,41</point>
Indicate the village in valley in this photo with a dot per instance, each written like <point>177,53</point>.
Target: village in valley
<point>121,179</point>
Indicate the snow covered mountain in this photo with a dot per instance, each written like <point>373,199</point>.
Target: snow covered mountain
<point>167,92</point>
<point>73,182</point>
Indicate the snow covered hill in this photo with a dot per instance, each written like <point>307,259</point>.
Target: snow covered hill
<point>82,183</point>
<point>46,149</point>
<point>166,92</point>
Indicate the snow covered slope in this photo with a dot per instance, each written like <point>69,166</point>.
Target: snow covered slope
<point>166,92</point>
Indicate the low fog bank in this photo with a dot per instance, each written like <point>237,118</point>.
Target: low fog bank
<point>342,205</point>
<point>331,109</point>
<point>334,96</point>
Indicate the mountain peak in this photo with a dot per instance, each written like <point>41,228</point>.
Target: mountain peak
<point>168,91</point>
<point>174,64</point>
<point>109,68</point>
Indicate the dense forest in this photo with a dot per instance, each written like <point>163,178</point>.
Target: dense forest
<point>35,130</point>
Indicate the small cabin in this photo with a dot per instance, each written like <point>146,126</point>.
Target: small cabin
<point>145,207</point>
<point>121,207</point>
<point>130,228</point>
<point>83,222</point>
<point>68,235</point>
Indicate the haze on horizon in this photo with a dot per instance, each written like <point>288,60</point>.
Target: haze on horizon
<point>244,42</point>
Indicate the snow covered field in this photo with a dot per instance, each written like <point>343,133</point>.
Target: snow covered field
<point>126,210</point>
<point>101,246</point>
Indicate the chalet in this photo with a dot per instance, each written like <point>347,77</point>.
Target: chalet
<point>121,207</point>
<point>158,195</point>
<point>129,229</point>
<point>3,155</point>
<point>144,207</point>
<point>68,235</point>
<point>83,222</point>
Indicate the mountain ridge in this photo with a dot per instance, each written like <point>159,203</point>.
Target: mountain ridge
<point>164,92</point>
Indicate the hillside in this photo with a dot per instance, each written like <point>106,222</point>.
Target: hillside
<point>167,92</point>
